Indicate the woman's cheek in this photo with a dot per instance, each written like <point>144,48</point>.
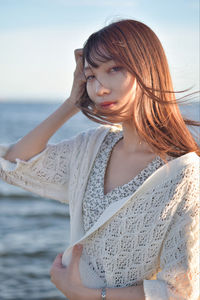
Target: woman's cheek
<point>90,91</point>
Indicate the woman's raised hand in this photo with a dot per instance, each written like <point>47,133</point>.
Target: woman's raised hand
<point>36,140</point>
<point>78,86</point>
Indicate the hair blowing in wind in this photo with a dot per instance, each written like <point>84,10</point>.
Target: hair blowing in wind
<point>155,112</point>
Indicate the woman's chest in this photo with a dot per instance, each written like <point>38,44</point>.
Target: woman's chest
<point>122,168</point>
<point>95,200</point>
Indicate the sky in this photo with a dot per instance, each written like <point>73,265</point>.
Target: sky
<point>38,38</point>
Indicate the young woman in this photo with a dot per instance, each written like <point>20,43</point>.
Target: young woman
<point>131,184</point>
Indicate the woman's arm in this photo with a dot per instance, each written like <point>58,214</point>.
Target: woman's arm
<point>35,141</point>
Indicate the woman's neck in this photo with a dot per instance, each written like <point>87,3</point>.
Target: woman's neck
<point>132,142</point>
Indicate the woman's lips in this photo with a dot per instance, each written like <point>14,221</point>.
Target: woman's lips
<point>107,104</point>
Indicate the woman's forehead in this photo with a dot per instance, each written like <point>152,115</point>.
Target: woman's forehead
<point>96,60</point>
<point>97,64</point>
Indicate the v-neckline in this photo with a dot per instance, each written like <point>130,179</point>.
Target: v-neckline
<point>117,138</point>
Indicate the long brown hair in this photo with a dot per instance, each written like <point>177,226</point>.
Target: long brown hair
<point>156,115</point>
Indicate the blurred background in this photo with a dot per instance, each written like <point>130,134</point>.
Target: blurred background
<point>37,40</point>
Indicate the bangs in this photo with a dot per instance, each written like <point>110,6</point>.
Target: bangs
<point>97,49</point>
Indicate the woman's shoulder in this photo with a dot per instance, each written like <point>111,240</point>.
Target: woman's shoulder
<point>185,169</point>
<point>95,133</point>
<point>103,128</point>
<point>177,171</point>
<point>185,160</point>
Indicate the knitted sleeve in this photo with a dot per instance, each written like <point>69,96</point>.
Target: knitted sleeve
<point>179,257</point>
<point>46,174</point>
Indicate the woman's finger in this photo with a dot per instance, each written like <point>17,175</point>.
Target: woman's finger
<point>76,253</point>
<point>78,53</point>
<point>57,264</point>
<point>58,260</point>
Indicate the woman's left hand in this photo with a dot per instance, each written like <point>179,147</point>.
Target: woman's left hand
<point>67,279</point>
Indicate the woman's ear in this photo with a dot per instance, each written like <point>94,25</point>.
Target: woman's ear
<point>135,84</point>
<point>135,88</point>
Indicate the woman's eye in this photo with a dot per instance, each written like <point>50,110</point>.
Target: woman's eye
<point>115,69</point>
<point>89,78</point>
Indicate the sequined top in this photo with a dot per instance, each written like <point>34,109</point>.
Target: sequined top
<point>95,201</point>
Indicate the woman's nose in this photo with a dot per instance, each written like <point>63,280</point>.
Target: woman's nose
<point>101,89</point>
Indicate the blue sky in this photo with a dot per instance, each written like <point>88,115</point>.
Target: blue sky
<point>38,38</point>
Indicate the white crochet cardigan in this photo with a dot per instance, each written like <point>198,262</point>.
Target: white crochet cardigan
<point>165,212</point>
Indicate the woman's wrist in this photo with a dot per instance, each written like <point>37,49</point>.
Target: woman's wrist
<point>131,292</point>
<point>89,294</point>
<point>70,103</point>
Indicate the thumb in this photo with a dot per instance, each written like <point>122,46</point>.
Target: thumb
<point>76,253</point>
<point>57,264</point>
<point>58,260</point>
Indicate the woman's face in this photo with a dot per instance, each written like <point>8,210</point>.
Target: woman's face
<point>110,86</point>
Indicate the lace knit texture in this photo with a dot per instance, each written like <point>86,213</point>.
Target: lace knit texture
<point>95,202</point>
<point>144,240</point>
<point>153,239</point>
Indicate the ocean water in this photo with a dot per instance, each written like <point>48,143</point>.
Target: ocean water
<point>34,230</point>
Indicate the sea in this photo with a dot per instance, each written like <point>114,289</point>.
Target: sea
<point>33,230</point>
